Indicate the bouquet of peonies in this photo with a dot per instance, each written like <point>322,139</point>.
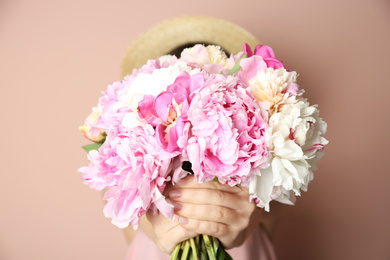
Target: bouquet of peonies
<point>240,120</point>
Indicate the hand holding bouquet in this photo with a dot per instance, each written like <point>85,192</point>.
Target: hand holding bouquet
<point>240,121</point>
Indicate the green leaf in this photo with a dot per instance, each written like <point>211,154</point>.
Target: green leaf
<point>228,257</point>
<point>89,147</point>
<point>220,254</point>
<point>237,66</point>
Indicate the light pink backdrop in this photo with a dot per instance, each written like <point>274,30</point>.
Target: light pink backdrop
<point>57,56</point>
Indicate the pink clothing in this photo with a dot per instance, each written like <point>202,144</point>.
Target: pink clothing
<point>256,247</point>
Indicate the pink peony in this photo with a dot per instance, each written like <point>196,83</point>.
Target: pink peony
<point>229,137</point>
<point>168,112</point>
<point>111,114</point>
<point>128,164</point>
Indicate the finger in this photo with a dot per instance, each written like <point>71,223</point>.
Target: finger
<point>207,227</point>
<point>208,213</point>
<point>168,233</point>
<point>163,223</point>
<point>209,197</point>
<point>190,182</point>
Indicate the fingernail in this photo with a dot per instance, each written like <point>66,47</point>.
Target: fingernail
<point>183,220</point>
<point>177,206</point>
<point>175,193</point>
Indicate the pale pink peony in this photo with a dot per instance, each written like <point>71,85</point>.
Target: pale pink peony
<point>128,164</point>
<point>229,136</point>
<point>111,114</point>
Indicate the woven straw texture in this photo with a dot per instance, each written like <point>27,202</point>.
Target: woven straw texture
<point>174,33</point>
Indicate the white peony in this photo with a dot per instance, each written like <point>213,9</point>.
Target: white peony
<point>152,84</point>
<point>296,143</point>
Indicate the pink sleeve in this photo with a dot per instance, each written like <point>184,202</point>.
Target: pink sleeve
<point>256,247</point>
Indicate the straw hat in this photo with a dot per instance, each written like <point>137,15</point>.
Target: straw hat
<point>179,32</point>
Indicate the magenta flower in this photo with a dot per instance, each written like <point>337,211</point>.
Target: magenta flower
<point>129,165</point>
<point>266,53</point>
<point>229,138</point>
<point>262,59</point>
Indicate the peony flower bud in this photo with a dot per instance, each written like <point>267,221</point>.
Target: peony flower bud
<point>91,132</point>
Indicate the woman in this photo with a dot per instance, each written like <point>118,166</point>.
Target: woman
<point>209,208</point>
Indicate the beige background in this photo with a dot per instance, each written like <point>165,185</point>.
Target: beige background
<point>57,56</point>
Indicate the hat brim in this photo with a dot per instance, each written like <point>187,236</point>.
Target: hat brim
<point>171,34</point>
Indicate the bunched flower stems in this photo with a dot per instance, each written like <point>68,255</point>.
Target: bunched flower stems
<point>202,247</point>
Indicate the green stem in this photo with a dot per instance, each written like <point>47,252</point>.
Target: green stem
<point>209,248</point>
<point>175,253</point>
<point>237,66</point>
<point>203,252</point>
<point>194,248</point>
<point>215,244</point>
<point>202,247</point>
<point>186,249</point>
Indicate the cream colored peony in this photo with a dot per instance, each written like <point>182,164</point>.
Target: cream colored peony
<point>278,87</point>
<point>211,58</point>
<point>217,56</point>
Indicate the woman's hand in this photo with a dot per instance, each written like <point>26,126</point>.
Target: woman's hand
<point>214,209</point>
<point>163,231</point>
<point>209,208</point>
